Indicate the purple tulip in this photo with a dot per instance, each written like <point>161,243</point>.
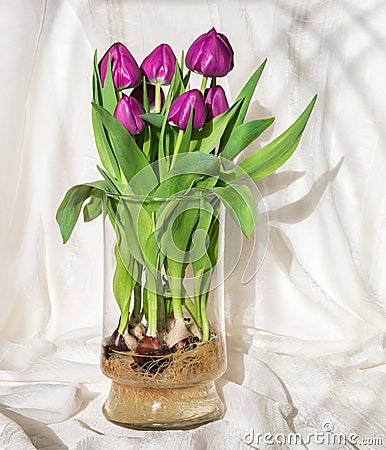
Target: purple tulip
<point>211,55</point>
<point>127,112</point>
<point>159,66</point>
<point>180,109</point>
<point>124,68</point>
<point>138,94</point>
<point>216,102</point>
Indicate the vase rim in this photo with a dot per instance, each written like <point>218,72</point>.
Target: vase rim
<point>149,198</point>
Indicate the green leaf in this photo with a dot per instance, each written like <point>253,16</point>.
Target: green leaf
<point>145,101</point>
<point>206,183</point>
<point>155,119</point>
<point>206,139</point>
<point>109,96</point>
<point>69,209</point>
<point>184,147</point>
<point>96,91</point>
<point>146,148</point>
<point>135,233</point>
<point>129,156</point>
<point>187,79</point>
<point>115,186</point>
<point>245,96</point>
<point>178,85</point>
<point>239,201</point>
<point>106,153</point>
<point>247,92</point>
<point>175,87</point>
<point>71,205</point>
<point>214,232</point>
<point>188,168</point>
<point>199,254</point>
<point>94,207</point>
<point>123,285</point>
<point>147,240</point>
<point>244,135</point>
<point>267,159</point>
<point>178,228</point>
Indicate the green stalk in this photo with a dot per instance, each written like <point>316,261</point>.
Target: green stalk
<point>205,286</point>
<point>160,313</point>
<point>119,95</point>
<point>197,282</point>
<point>157,98</point>
<point>175,286</point>
<point>192,310</point>
<point>152,313</point>
<point>204,317</point>
<point>203,84</point>
<point>177,147</point>
<point>177,307</point>
<point>137,300</point>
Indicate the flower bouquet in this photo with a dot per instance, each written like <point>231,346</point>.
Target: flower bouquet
<point>167,155</point>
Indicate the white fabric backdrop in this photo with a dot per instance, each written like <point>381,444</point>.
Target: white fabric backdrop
<point>307,334</point>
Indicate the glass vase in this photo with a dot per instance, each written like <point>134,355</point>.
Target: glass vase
<point>163,326</point>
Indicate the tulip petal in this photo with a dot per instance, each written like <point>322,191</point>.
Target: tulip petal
<point>159,65</point>
<point>125,70</point>
<point>180,109</point>
<point>216,102</point>
<point>128,113</point>
<point>211,55</point>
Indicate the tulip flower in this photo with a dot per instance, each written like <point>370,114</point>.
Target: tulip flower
<point>216,102</point>
<point>124,68</point>
<point>127,112</point>
<point>180,109</point>
<point>150,88</point>
<point>159,65</point>
<point>211,55</point>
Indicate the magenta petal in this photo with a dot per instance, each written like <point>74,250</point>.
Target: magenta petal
<point>216,102</point>
<point>180,109</point>
<point>124,68</point>
<point>159,66</point>
<point>211,55</point>
<point>127,112</point>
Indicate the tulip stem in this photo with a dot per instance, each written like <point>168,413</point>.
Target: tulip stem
<point>177,147</point>
<point>137,299</point>
<point>152,312</point>
<point>157,99</point>
<point>203,84</point>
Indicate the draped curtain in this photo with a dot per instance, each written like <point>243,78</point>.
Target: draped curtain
<point>307,334</point>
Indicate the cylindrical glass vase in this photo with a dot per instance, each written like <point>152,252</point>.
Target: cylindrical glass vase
<point>163,329</point>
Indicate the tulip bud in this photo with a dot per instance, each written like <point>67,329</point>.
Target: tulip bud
<point>180,109</point>
<point>159,66</point>
<point>127,112</point>
<point>138,94</point>
<point>124,68</point>
<point>216,102</point>
<point>211,55</point>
